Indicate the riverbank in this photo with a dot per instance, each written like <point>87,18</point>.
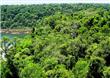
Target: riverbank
<point>16,31</point>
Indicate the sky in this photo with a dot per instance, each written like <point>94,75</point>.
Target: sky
<point>16,2</point>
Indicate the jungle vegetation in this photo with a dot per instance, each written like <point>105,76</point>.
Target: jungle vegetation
<point>67,41</point>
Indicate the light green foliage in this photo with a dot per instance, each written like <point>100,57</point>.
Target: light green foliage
<point>67,41</point>
<point>32,70</point>
<point>82,68</point>
<point>49,64</point>
<point>106,72</point>
<point>59,72</point>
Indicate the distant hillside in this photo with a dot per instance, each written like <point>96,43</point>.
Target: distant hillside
<point>20,16</point>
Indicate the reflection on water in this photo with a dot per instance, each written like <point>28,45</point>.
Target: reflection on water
<point>12,35</point>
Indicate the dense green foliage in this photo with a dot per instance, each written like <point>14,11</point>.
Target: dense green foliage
<point>21,16</point>
<point>73,41</point>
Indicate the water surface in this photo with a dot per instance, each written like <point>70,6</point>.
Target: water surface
<point>11,36</point>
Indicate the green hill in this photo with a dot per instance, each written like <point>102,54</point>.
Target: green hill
<point>67,41</point>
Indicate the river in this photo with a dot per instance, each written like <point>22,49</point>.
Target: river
<point>11,36</point>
